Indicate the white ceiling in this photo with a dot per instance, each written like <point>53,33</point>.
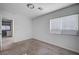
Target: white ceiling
<point>21,8</point>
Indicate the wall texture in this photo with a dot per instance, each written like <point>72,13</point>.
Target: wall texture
<point>41,29</point>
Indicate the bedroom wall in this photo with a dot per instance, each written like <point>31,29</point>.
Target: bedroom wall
<point>41,29</point>
<point>21,27</point>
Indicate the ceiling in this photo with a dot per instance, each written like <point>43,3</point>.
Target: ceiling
<point>21,8</point>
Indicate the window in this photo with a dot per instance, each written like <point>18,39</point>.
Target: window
<point>65,25</point>
<point>6,28</point>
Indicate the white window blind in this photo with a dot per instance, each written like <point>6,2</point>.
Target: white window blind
<point>65,25</point>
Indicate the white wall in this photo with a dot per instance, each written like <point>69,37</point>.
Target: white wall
<point>41,30</point>
<point>22,26</point>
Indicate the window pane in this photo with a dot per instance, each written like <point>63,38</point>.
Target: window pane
<point>5,27</point>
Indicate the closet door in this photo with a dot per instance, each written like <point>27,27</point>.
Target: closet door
<point>0,33</point>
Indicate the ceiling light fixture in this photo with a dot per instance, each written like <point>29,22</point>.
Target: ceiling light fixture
<point>31,6</point>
